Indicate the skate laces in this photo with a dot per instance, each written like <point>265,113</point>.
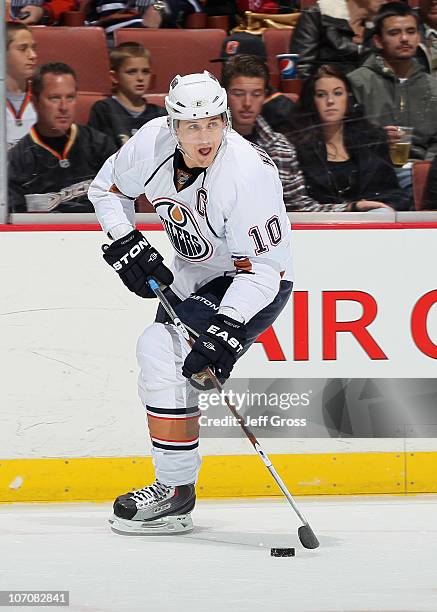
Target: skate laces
<point>152,493</point>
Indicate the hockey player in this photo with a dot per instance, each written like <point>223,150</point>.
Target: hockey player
<point>220,201</point>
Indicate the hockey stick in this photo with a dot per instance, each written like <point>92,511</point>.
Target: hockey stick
<point>306,535</point>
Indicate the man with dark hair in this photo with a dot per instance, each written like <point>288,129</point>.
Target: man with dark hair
<point>276,106</point>
<point>245,78</point>
<point>51,168</point>
<point>394,88</point>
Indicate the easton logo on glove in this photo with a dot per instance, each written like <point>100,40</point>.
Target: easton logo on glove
<point>134,252</point>
<point>218,347</point>
<point>224,335</point>
<point>135,260</point>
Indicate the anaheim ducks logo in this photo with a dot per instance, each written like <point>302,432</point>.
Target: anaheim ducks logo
<point>182,229</point>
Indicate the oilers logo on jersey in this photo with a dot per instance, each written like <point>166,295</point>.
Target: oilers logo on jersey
<point>182,230</point>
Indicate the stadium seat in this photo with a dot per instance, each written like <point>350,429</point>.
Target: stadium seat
<point>84,49</point>
<point>176,51</point>
<point>195,21</point>
<point>420,178</point>
<point>156,99</point>
<point>84,103</point>
<point>292,96</point>
<point>276,42</point>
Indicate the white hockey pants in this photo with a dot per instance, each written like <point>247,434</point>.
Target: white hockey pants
<point>171,404</point>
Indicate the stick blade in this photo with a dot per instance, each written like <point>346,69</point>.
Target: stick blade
<point>307,537</point>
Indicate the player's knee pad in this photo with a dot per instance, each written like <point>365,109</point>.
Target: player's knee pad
<point>161,351</point>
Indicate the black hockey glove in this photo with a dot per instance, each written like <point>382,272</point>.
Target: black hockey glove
<point>219,346</point>
<point>135,260</point>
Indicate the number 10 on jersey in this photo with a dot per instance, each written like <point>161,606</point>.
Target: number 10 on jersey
<point>274,234</point>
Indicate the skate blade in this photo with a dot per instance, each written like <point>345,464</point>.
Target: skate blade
<point>167,525</point>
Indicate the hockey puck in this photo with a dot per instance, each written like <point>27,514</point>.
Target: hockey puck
<point>282,552</point>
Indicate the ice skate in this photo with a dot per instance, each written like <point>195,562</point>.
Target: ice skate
<point>154,509</point>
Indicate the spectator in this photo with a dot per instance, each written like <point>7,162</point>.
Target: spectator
<point>430,197</point>
<point>122,114</point>
<point>334,31</point>
<point>394,88</point>
<point>38,12</point>
<point>245,78</point>
<point>20,66</point>
<point>140,13</point>
<point>276,107</point>
<point>344,159</point>
<point>427,52</point>
<point>52,167</point>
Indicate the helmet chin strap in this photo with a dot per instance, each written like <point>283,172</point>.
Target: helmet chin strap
<point>179,146</point>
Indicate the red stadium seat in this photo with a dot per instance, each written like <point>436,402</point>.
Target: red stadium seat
<point>276,42</point>
<point>176,51</point>
<point>84,103</point>
<point>420,178</point>
<point>156,99</point>
<point>294,97</point>
<point>84,49</point>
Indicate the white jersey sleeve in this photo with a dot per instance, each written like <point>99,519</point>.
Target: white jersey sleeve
<point>121,180</point>
<point>115,213</point>
<point>258,235</point>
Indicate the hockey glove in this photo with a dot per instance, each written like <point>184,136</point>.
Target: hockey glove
<point>135,260</point>
<point>219,346</point>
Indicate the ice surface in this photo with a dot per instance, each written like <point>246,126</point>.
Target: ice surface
<point>376,554</point>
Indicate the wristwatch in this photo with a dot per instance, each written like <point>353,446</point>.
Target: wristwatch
<point>160,6</point>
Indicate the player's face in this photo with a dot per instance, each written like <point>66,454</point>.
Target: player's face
<point>56,104</point>
<point>133,77</point>
<point>200,140</point>
<point>21,56</point>
<point>400,38</point>
<point>330,99</point>
<point>246,97</point>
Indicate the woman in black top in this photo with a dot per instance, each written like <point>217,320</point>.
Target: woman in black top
<point>344,159</point>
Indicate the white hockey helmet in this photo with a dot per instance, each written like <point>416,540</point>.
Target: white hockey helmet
<point>196,96</point>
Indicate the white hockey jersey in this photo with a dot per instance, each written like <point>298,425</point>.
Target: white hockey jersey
<point>231,219</point>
